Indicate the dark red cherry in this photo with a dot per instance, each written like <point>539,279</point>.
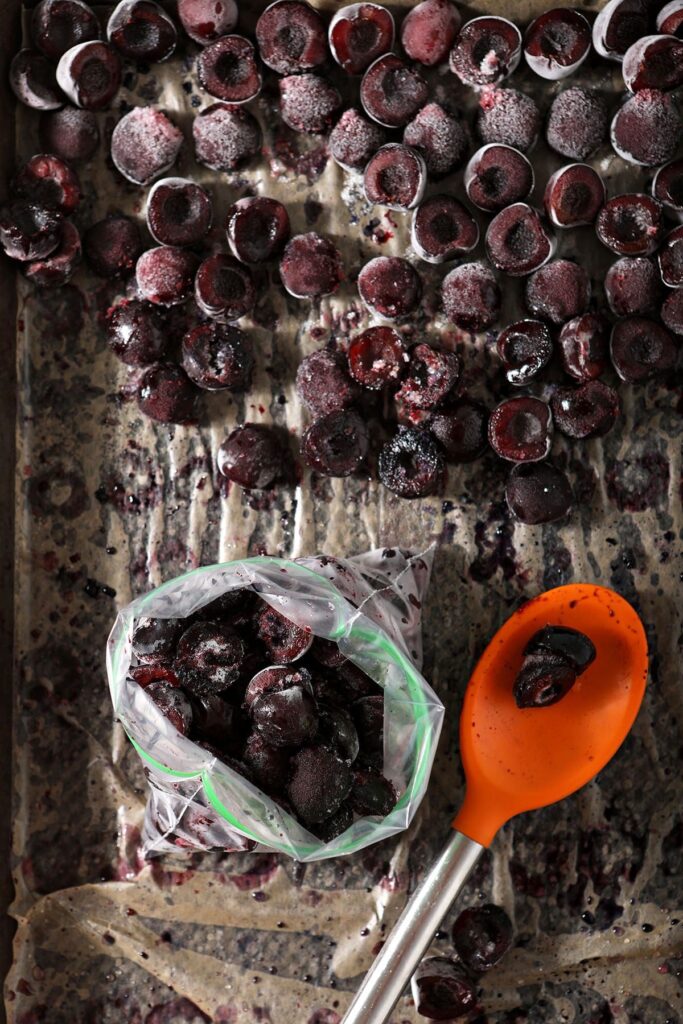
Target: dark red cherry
<point>461,429</point>
<point>223,288</point>
<point>277,678</point>
<point>525,348</point>
<point>654,62</point>
<point>173,704</point>
<point>633,285</point>
<point>443,229</point>
<point>209,658</point>
<point>631,224</point>
<point>179,212</point>
<point>207,20</point>
<point>577,123</point>
<point>29,231</point>
<point>335,825</point>
<point>323,383</point>
<point>482,936</point>
<point>354,139</point>
<point>558,291</point>
<point>641,349</point>
<point>141,30</point>
<point>166,394</point>
<point>411,464</point>
<point>429,31</point>
<point>217,722</point>
<point>497,176</point>
<point>165,275</point>
<point>327,653</point>
<point>318,784</point>
<point>487,50</point>
<point>228,69</point>
<point>538,492</point>
<point>308,103</point>
<point>360,33</point>
<point>672,311</point>
<point>225,137</point>
<point>557,42</point>
<point>570,644</point>
<point>33,81</point>
<point>336,444</point>
<point>646,129</point>
<point>518,241</point>
<point>441,138</point>
<point>573,196</point>
<point>508,117</point>
<point>430,376</point>
<point>252,456</point>
<point>70,133</point>
<point>218,356</point>
<point>390,286</point>
<point>584,346</point>
<point>336,730</point>
<point>269,765</point>
<point>392,92</point>
<point>57,25</point>
<point>618,25</point>
<point>471,296</point>
<point>670,19</point>
<point>112,246</point>
<point>442,989</point>
<point>671,259</point>
<point>154,640</point>
<point>521,429</point>
<point>145,144</point>
<point>395,177</point>
<point>543,680</point>
<point>137,332</point>
<point>372,794</point>
<point>590,410</point>
<point>311,266</point>
<point>47,181</point>
<point>285,718</point>
<point>257,229</point>
<point>90,75</point>
<point>377,357</point>
<point>285,642</point>
<point>56,269</point>
<point>291,37</point>
<point>667,186</point>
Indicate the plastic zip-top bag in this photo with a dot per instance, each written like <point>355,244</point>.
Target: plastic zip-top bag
<point>370,606</point>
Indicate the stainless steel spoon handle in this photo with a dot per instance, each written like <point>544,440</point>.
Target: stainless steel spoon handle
<point>414,931</point>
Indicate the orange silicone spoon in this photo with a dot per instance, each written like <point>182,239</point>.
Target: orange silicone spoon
<point>517,760</point>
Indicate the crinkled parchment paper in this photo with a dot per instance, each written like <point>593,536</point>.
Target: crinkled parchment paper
<point>108,501</point>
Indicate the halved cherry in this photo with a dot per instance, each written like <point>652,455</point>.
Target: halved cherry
<point>525,348</point>
<point>392,92</point>
<point>521,429</point>
<point>32,80</point>
<point>557,42</point>
<point>142,30</point>
<point>584,346</point>
<point>654,62</point>
<point>443,229</point>
<point>497,176</point>
<point>670,19</point>
<point>631,224</point>
<point>573,196</point>
<point>641,348</point>
<point>667,187</point>
<point>487,50</point>
<point>518,241</point>
<point>395,177</point>
<point>228,69</point>
<point>618,25</point>
<point>671,259</point>
<point>90,75</point>
<point>360,33</point>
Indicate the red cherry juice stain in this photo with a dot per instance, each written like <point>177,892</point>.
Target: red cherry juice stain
<point>324,1017</point>
<point>264,870</point>
<point>168,879</point>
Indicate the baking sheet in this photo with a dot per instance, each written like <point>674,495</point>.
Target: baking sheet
<point>110,504</point>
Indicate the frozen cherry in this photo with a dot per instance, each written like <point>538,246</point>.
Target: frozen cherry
<point>47,181</point>
<point>28,231</point>
<point>291,37</point>
<point>90,75</point>
<point>573,196</point>
<point>251,456</point>
<point>218,356</point>
<point>335,825</point>
<point>216,721</point>
<point>326,652</point>
<point>671,259</point>
<point>359,33</point>
<point>209,658</point>
<point>631,224</point>
<point>443,229</point>
<point>368,714</point>
<point>508,117</point>
<point>136,332</point>
<point>411,464</point>
<point>228,69</point>
<point>497,176</point>
<point>33,82</point>
<point>70,133</point>
<point>618,25</point>
<point>318,785</point>
<point>274,679</point>
<point>143,675</point>
<point>336,730</point>
<point>518,241</point>
<point>166,395</point>
<point>461,430</point>
<point>283,639</point>
<point>667,186</point>
<point>633,285</point>
<point>558,291</point>
<point>487,50</point>
<point>430,376</point>
<point>429,31</point>
<point>112,246</point>
<point>223,288</point>
<point>286,717</point>
<point>442,989</point>
<point>336,444</point>
<point>577,123</point>
<point>538,492</point>
<point>56,269</point>
<point>471,296</point>
<point>557,42</point>
<point>390,286</point>
<point>482,936</point>
<point>311,266</point>
<point>525,348</point>
<point>207,20</point>
<point>269,765</point>
<point>521,429</point>
<point>257,229</point>
<point>377,357</point>
<point>670,19</point>
<point>392,92</point>
<point>165,275</point>
<point>441,138</point>
<point>641,349</point>
<point>308,103</point>
<point>57,25</point>
<point>141,30</point>
<point>179,212</point>
<point>354,139</point>
<point>145,144</point>
<point>323,383</point>
<point>590,410</point>
<point>154,640</point>
<point>543,680</point>
<point>672,311</point>
<point>584,346</point>
<point>654,62</point>
<point>372,794</point>
<point>574,646</point>
<point>646,129</point>
<point>395,177</point>
<point>173,704</point>
<point>225,137</point>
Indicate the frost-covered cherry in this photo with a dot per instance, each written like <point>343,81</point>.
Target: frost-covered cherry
<point>573,196</point>
<point>33,81</point>
<point>525,348</point>
<point>641,349</point>
<point>218,357</point>
<point>48,181</point>
<point>667,187</point>
<point>557,42</point>
<point>392,92</point>
<point>90,75</point>
<point>207,20</point>
<point>471,296</point>
<point>308,103</point>
<point>225,137</point>
<point>443,229</point>
<point>631,224</point>
<point>70,133</point>
<point>521,429</point>
<point>252,456</point>
<point>336,444</point>
<point>583,345</point>
<point>56,269</point>
<point>442,139</point>
<point>291,37</point>
<point>228,69</point>
<point>112,246</point>
<point>487,50</point>
<point>577,123</point>
<point>518,241</point>
<point>395,176</point>
<point>646,130</point>
<point>671,259</point>
<point>137,332</point>
<point>633,286</point>
<point>57,25</point>
<point>360,33</point>
<point>672,311</point>
<point>590,410</point>
<point>323,383</point>
<point>166,395</point>
<point>558,291</point>
<point>411,464</point>
<point>497,176</point>
<point>390,286</point>
<point>311,266</point>
<point>654,62</point>
<point>257,229</point>
<point>29,231</point>
<point>618,25</point>
<point>429,31</point>
<point>461,429</point>
<point>670,19</point>
<point>145,144</point>
<point>430,377</point>
<point>377,357</point>
<point>223,288</point>
<point>354,139</point>
<point>142,30</point>
<point>179,212</point>
<point>508,117</point>
<point>165,275</point>
<point>538,492</point>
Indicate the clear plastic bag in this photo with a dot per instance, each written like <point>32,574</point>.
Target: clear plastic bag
<point>370,605</point>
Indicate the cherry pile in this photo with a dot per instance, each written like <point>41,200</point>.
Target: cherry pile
<point>284,709</point>
<point>384,402</point>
